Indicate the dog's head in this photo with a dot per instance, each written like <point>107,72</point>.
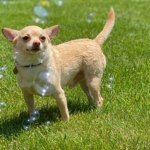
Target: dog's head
<point>31,39</point>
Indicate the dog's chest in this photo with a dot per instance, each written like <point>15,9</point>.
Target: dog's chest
<point>38,81</point>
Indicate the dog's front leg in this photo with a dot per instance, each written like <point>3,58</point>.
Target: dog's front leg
<point>62,104</point>
<point>29,99</point>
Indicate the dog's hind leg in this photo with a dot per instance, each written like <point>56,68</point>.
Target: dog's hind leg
<point>86,90</point>
<point>93,84</point>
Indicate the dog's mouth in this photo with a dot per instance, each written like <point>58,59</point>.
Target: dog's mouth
<point>33,49</point>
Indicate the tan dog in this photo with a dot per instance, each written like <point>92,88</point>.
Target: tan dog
<point>44,69</point>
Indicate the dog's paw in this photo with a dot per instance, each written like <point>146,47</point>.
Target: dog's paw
<point>66,118</point>
<point>100,101</point>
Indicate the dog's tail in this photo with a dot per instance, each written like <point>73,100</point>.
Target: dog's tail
<point>103,35</point>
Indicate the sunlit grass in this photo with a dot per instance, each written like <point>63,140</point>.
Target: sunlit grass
<point>123,121</point>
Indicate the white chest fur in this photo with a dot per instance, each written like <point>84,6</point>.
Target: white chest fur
<point>38,80</point>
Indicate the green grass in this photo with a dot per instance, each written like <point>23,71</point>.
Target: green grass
<point>124,120</point>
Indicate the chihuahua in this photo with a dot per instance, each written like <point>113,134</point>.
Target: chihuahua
<point>44,69</point>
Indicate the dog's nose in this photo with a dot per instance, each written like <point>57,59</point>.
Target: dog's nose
<point>36,44</point>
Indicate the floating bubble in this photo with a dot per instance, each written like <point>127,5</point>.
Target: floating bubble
<point>111,78</point>
<point>43,85</point>
<point>109,86</point>
<point>48,123</point>
<point>34,116</point>
<point>43,90</point>
<point>32,119</point>
<point>27,127</point>
<point>40,21</point>
<point>27,124</point>
<point>91,16</point>
<point>45,76</point>
<point>2,104</point>
<point>40,89</point>
<point>59,3</point>
<point>1,76</point>
<point>40,11</point>
<point>4,2</point>
<point>4,69</point>
<point>16,54</point>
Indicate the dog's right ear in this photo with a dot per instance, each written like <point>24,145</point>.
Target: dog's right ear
<point>10,34</point>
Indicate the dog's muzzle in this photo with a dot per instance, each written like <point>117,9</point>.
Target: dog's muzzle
<point>34,49</point>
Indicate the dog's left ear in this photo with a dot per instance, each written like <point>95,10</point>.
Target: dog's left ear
<point>52,31</point>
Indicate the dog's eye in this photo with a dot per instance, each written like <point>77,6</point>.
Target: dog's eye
<point>26,38</point>
<point>43,38</point>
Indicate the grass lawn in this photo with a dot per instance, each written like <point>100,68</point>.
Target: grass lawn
<point>124,120</point>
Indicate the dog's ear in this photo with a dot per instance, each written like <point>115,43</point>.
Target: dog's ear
<point>52,31</point>
<point>10,34</point>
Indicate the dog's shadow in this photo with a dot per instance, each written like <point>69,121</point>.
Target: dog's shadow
<point>13,127</point>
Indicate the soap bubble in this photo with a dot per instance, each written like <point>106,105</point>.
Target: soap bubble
<point>43,85</point>
<point>27,127</point>
<point>111,78</point>
<point>34,116</point>
<point>2,104</point>
<point>45,76</point>
<point>40,21</point>
<point>48,123</point>
<point>43,90</point>
<point>91,17</point>
<point>1,76</point>
<point>4,2</point>
<point>109,86</point>
<point>16,54</point>
<point>40,90</point>
<point>59,3</point>
<point>27,124</point>
<point>4,69</point>
<point>40,11</point>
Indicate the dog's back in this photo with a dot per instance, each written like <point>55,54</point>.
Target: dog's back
<point>83,56</point>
